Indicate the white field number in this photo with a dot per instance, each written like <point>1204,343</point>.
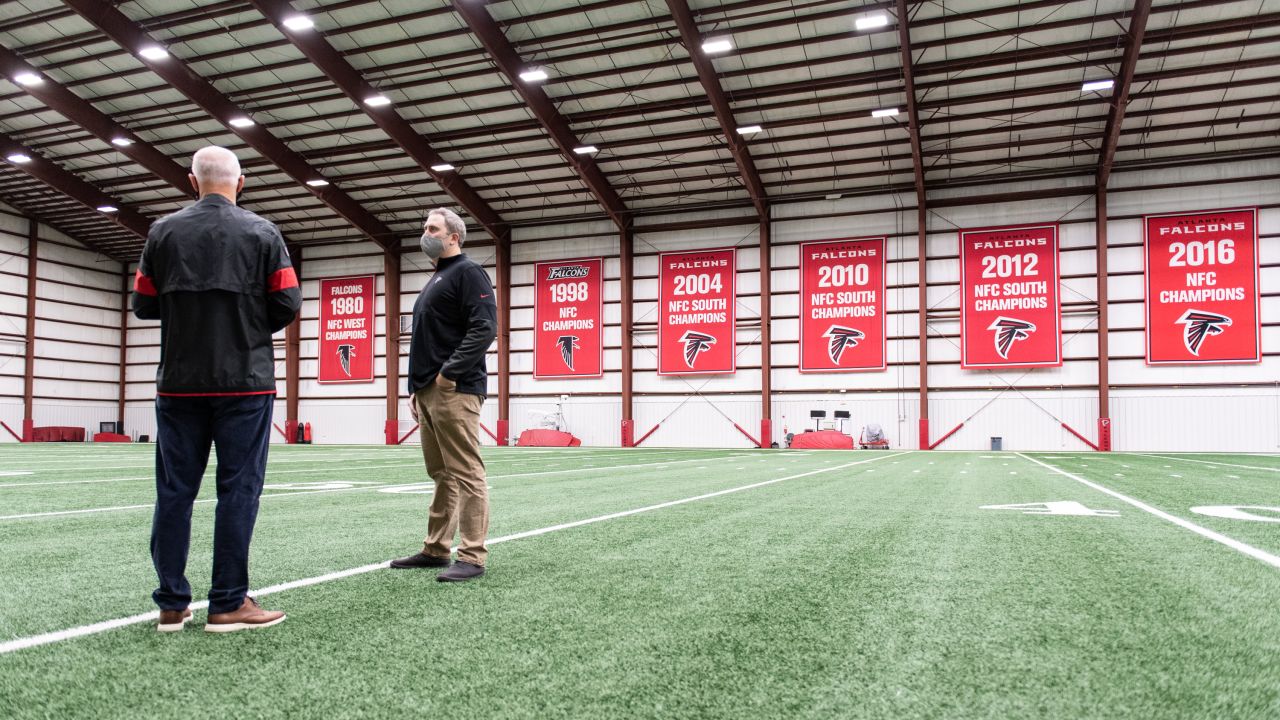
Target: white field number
<point>843,275</point>
<point>349,305</point>
<point>1010,265</point>
<point>569,292</point>
<point>1196,253</point>
<point>698,284</point>
<point>1254,513</point>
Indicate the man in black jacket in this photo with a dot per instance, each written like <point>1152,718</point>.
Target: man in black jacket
<point>219,280</point>
<point>454,321</point>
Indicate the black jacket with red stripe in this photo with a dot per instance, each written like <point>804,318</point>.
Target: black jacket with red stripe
<point>220,281</point>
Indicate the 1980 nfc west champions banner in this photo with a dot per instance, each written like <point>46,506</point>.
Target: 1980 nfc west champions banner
<point>1009,311</point>
<point>346,330</point>
<point>696,305</point>
<point>567,339</point>
<point>842,305</point>
<point>1202,287</point>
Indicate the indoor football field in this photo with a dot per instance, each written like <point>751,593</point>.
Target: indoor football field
<point>666,583</point>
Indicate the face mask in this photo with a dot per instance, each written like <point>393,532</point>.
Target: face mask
<point>431,245</point>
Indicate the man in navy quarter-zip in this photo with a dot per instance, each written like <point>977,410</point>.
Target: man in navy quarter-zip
<point>455,319</point>
<point>219,280</point>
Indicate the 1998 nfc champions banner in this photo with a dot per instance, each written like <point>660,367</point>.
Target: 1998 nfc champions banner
<point>567,341</point>
<point>1202,287</point>
<point>346,330</point>
<point>696,305</point>
<point>1010,314</point>
<point>842,305</point>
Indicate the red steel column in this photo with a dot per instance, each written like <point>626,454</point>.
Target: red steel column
<point>924,328</point>
<point>391,315</point>
<point>1104,356</point>
<point>292,340</point>
<point>504,336</point>
<point>766,346</point>
<point>28,370</point>
<point>124,341</point>
<point>626,281</point>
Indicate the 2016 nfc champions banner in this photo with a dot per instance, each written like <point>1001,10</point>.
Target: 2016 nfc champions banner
<point>568,310</point>
<point>696,304</point>
<point>1202,287</point>
<point>1010,314</point>
<point>842,305</point>
<point>346,330</point>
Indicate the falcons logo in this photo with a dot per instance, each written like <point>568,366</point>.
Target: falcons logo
<point>1009,330</point>
<point>1199,325</point>
<point>568,343</point>
<point>344,356</point>
<point>841,338</point>
<point>694,343</point>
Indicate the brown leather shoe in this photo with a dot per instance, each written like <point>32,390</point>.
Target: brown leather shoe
<point>248,617</point>
<point>421,560</point>
<point>173,620</point>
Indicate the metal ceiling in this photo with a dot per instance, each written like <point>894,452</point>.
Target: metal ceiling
<point>994,88</point>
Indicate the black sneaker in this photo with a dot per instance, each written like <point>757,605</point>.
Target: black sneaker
<point>460,571</point>
<point>421,560</point>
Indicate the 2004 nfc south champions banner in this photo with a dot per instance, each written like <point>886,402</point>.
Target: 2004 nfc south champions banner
<point>346,330</point>
<point>696,312</point>
<point>1010,314</point>
<point>842,305</point>
<point>568,310</point>
<point>1202,287</point>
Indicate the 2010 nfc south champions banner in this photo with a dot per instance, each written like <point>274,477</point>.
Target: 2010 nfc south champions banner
<point>1010,314</point>
<point>568,312</point>
<point>346,330</point>
<point>696,306</point>
<point>1202,287</point>
<point>842,325</point>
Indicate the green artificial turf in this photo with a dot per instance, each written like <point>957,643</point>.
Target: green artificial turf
<point>880,589</point>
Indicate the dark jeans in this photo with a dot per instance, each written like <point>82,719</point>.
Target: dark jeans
<point>240,428</point>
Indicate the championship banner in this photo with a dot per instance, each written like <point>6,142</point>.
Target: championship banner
<point>842,305</point>
<point>696,299</point>
<point>1203,304</point>
<point>346,330</point>
<point>1010,313</point>
<point>568,310</point>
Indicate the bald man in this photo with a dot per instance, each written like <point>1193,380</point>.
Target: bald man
<point>219,280</point>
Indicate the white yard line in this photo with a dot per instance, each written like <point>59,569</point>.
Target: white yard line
<point>95,628</point>
<point>287,493</point>
<point>1217,537</point>
<point>1208,462</point>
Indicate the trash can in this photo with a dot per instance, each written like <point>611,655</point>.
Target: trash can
<point>997,443</point>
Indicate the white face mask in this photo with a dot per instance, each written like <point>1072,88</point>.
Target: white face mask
<point>431,245</point>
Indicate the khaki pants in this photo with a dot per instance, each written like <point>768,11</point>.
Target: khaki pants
<point>450,428</point>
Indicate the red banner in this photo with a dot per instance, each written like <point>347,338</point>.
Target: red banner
<point>346,330</point>
<point>568,311</point>
<point>696,300</point>
<point>1010,313</point>
<point>842,305</point>
<point>1202,287</point>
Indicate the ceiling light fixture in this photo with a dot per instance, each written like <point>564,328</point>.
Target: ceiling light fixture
<point>834,196</point>
<point>712,46</point>
<point>240,122</point>
<point>1097,85</point>
<point>884,112</point>
<point>377,101</point>
<point>749,129</point>
<point>586,149</point>
<point>299,22</point>
<point>442,167</point>
<point>121,141</point>
<point>318,182</point>
<point>107,208</point>
<point>534,75</point>
<point>27,79</point>
<point>153,52</point>
<point>871,22</point>
<point>18,158</point>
